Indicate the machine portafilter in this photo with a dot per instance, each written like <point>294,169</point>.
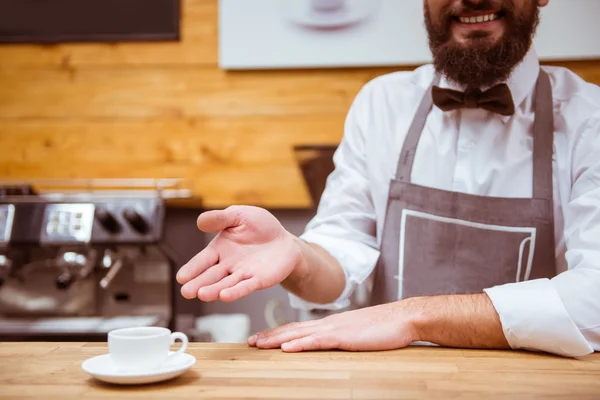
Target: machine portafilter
<point>73,266</point>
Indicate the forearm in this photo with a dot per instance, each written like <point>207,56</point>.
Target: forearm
<point>317,277</point>
<point>465,321</point>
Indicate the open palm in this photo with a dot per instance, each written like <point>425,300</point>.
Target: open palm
<point>252,251</point>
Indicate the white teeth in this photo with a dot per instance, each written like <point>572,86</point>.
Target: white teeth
<point>478,19</point>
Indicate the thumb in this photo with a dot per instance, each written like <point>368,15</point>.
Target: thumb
<point>218,220</point>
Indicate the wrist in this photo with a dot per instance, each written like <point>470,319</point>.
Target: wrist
<point>300,268</point>
<point>415,318</point>
<point>315,275</point>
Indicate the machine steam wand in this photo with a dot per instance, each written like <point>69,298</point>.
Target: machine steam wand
<point>113,266</point>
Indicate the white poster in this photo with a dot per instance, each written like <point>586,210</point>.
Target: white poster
<point>266,34</point>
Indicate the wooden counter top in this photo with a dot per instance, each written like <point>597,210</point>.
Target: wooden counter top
<point>53,371</point>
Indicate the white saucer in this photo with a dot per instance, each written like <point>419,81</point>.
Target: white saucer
<point>103,369</point>
<point>301,12</point>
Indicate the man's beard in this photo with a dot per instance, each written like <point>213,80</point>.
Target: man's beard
<point>482,62</point>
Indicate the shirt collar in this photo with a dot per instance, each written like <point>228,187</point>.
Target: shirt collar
<point>521,82</point>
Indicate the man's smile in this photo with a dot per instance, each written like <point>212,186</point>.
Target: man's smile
<point>487,20</point>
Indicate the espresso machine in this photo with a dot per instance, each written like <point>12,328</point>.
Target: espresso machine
<point>78,259</point>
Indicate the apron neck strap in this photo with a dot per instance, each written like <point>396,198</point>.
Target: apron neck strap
<point>411,141</point>
<point>543,137</point>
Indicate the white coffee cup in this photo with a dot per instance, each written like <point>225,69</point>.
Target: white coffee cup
<point>143,348</point>
<point>327,5</point>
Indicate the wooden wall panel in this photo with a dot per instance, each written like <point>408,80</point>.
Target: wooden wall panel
<point>224,141</point>
<point>227,160</point>
<point>174,92</point>
<point>165,110</point>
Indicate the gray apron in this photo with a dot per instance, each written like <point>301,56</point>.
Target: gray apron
<point>442,242</point>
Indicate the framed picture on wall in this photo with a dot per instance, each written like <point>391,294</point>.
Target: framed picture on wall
<point>256,34</point>
<point>59,21</point>
<point>263,34</point>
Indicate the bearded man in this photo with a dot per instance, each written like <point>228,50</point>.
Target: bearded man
<point>468,190</point>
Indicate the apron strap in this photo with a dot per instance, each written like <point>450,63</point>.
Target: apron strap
<point>407,155</point>
<point>543,138</point>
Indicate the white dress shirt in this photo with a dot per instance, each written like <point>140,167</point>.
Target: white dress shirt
<point>481,153</point>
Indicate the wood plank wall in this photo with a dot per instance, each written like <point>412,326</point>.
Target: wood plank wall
<point>150,110</point>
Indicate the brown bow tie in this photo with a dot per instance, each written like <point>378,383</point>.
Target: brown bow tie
<point>496,99</point>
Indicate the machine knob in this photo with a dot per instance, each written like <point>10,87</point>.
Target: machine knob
<point>136,221</point>
<point>108,221</point>
<point>64,280</point>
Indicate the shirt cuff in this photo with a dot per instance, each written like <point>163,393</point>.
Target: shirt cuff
<point>356,259</point>
<point>533,317</point>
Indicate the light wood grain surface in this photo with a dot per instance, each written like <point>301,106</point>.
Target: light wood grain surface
<point>231,371</point>
<point>165,110</point>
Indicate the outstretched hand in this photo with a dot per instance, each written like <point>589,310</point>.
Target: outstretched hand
<point>252,251</point>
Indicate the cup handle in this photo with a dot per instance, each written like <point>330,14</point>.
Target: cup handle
<point>184,343</point>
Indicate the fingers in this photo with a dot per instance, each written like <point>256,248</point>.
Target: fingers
<point>283,331</point>
<point>276,341</point>
<point>218,220</point>
<point>242,289</point>
<point>298,336</point>
<point>312,342</point>
<point>210,276</point>
<point>211,293</point>
<point>197,265</point>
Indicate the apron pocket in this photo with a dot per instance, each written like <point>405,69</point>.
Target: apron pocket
<point>439,255</point>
